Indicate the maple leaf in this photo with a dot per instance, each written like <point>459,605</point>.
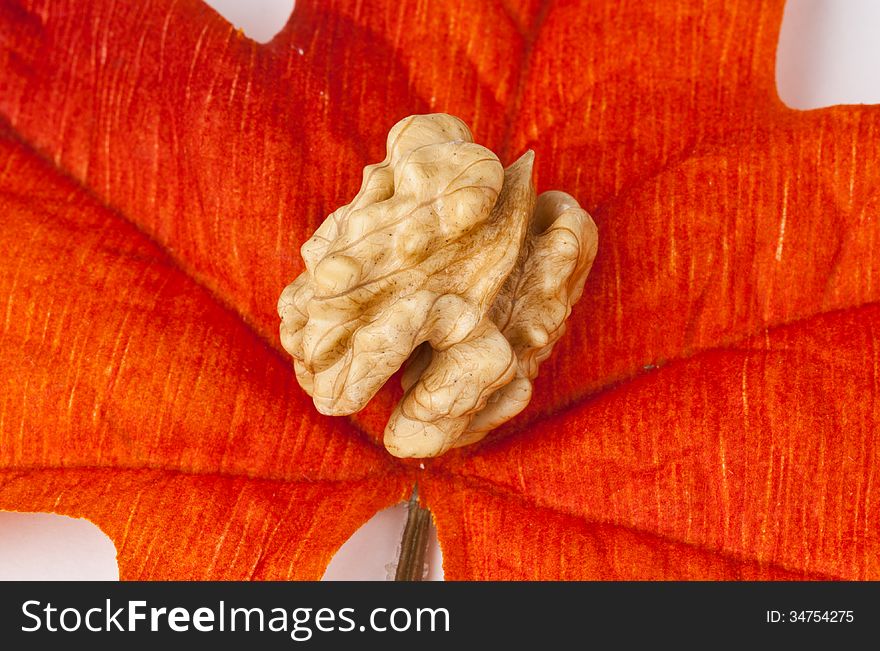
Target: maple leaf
<point>711,412</point>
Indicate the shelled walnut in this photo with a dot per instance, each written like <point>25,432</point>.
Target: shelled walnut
<point>444,261</point>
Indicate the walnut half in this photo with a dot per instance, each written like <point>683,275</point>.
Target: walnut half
<point>445,261</point>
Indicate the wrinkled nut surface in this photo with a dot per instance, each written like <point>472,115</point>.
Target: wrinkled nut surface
<point>449,262</point>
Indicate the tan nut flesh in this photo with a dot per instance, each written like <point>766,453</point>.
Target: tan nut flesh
<point>447,261</point>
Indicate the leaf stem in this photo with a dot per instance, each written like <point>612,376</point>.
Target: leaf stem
<point>414,542</point>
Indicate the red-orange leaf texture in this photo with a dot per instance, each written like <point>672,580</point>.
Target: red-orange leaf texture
<point>712,412</point>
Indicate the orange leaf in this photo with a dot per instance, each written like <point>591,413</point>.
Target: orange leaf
<point>710,413</point>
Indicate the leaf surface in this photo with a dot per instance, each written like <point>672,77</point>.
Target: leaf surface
<point>709,414</point>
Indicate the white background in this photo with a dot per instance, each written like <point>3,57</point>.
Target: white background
<point>829,53</point>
